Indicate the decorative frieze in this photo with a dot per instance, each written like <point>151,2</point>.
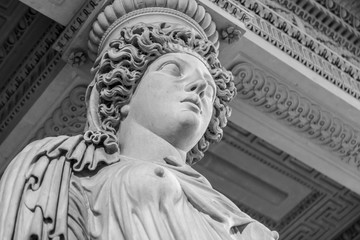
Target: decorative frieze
<point>234,9</point>
<point>329,18</point>
<point>352,232</point>
<point>25,84</point>
<point>311,53</point>
<point>301,114</point>
<point>341,13</point>
<point>69,118</point>
<point>329,204</point>
<point>16,34</point>
<point>299,45</point>
<point>319,23</point>
<point>75,25</point>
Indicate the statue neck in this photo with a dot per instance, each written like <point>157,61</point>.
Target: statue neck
<point>139,143</point>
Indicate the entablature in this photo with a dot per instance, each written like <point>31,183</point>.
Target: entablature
<point>295,92</point>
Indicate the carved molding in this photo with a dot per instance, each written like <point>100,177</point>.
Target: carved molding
<point>270,223</point>
<point>341,13</point>
<point>69,118</point>
<point>317,216</point>
<point>16,34</point>
<point>291,217</point>
<point>352,232</point>
<point>231,34</point>
<point>25,84</point>
<point>340,25</point>
<point>75,25</point>
<point>273,28</point>
<point>303,206</point>
<point>299,113</point>
<point>299,45</point>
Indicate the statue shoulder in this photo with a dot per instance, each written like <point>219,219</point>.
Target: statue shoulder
<point>32,174</point>
<point>44,168</point>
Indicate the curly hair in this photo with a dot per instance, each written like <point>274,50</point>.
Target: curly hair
<point>119,70</point>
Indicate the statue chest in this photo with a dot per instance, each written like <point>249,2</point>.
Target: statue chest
<point>133,199</point>
<point>147,183</point>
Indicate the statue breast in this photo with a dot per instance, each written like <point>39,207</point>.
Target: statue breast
<point>135,199</point>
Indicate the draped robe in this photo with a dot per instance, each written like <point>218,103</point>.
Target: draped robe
<point>82,188</point>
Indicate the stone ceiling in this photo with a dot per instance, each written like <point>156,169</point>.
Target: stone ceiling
<point>279,190</point>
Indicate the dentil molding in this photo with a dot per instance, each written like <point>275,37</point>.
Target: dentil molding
<point>281,33</point>
<point>331,19</point>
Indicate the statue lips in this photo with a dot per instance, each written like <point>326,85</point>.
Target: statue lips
<point>194,101</point>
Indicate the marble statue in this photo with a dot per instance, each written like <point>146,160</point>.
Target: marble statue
<point>158,99</point>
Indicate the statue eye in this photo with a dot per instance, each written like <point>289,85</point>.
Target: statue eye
<point>171,68</point>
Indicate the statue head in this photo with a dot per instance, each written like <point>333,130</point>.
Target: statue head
<point>172,49</point>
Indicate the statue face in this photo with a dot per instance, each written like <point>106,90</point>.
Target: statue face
<point>175,99</point>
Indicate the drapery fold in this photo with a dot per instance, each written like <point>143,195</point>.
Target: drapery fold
<point>34,188</point>
<point>34,196</point>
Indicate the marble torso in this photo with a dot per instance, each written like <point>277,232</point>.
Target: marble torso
<point>135,199</point>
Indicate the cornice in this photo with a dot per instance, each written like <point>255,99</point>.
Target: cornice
<point>321,127</point>
<point>33,75</point>
<point>327,204</point>
<point>351,21</point>
<point>75,25</point>
<point>16,34</point>
<point>271,27</point>
<point>290,39</point>
<point>329,18</point>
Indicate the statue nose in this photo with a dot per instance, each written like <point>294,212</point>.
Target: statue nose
<point>198,86</point>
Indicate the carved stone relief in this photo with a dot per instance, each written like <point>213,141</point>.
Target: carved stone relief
<point>283,34</point>
<point>67,119</point>
<point>32,73</point>
<point>295,14</point>
<point>268,95</point>
<point>19,30</point>
<point>75,24</point>
<point>344,10</point>
<point>230,34</point>
<point>341,28</point>
<point>320,214</point>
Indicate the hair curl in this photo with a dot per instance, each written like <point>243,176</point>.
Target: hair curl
<point>120,69</point>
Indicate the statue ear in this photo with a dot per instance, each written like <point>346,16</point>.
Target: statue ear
<point>124,111</point>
